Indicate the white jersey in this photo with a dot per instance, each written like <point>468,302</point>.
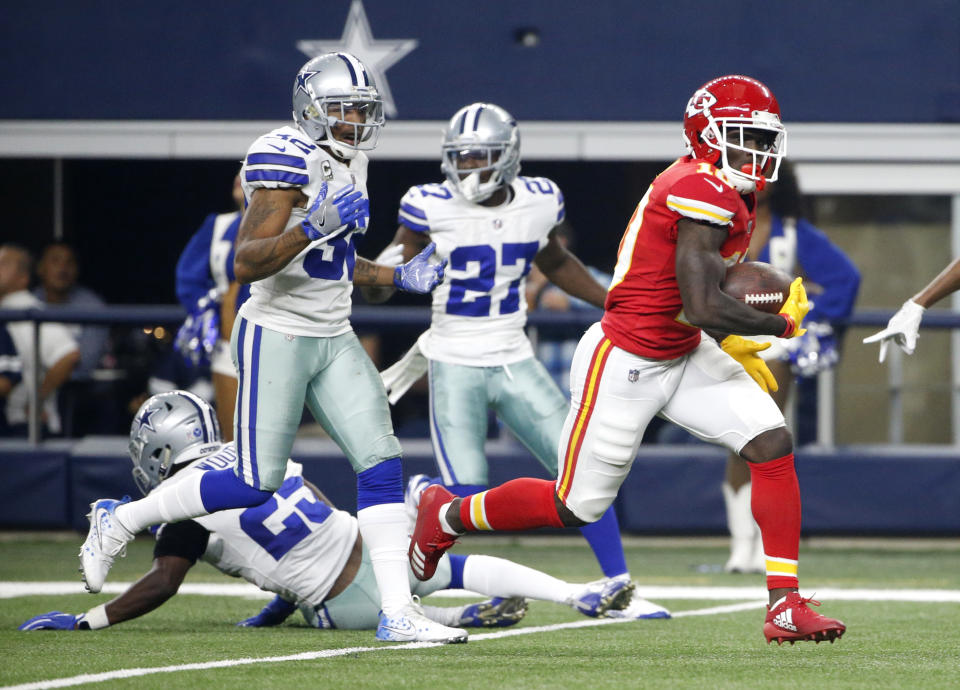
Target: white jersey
<point>479,311</point>
<point>310,295</point>
<point>293,545</point>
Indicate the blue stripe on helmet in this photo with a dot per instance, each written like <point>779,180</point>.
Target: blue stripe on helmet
<point>277,176</point>
<point>353,72</point>
<point>276,159</point>
<point>476,118</point>
<point>463,120</point>
<point>203,418</point>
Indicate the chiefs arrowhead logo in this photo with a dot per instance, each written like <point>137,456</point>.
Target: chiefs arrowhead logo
<point>699,102</point>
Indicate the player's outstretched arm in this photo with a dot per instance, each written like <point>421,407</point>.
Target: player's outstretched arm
<point>406,244</point>
<point>566,271</point>
<point>418,275</point>
<point>143,596</point>
<point>904,326</point>
<point>151,590</point>
<point>263,246</point>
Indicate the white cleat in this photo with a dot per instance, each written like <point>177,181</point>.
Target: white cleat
<point>598,597</point>
<point>638,608</point>
<point>410,625</point>
<point>106,540</point>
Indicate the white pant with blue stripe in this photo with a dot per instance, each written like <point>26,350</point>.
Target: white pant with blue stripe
<point>334,377</point>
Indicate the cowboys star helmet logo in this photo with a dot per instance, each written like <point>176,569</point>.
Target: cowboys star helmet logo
<point>145,420</point>
<point>699,102</point>
<point>302,79</point>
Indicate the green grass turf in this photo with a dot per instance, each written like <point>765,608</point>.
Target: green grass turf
<point>888,644</point>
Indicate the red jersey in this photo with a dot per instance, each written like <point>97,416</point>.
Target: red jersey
<point>643,311</point>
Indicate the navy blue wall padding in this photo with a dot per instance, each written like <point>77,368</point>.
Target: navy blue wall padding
<point>33,486</point>
<point>888,61</point>
<point>866,490</point>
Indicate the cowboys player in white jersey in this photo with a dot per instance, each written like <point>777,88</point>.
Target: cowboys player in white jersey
<point>492,226</point>
<point>292,342</point>
<point>296,545</point>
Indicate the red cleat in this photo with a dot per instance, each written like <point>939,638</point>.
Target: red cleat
<point>793,620</point>
<point>429,540</point>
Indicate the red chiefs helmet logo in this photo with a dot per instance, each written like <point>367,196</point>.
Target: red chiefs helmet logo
<point>699,102</point>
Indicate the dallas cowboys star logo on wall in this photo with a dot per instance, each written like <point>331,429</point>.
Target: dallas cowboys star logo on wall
<point>377,55</point>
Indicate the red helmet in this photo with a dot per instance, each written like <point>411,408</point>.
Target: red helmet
<point>718,116</point>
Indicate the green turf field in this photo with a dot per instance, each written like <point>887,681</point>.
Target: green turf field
<point>889,644</point>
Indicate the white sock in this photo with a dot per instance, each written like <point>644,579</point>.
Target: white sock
<point>444,525</point>
<point>444,615</point>
<point>172,502</point>
<point>744,531</point>
<point>384,530</point>
<point>498,577</point>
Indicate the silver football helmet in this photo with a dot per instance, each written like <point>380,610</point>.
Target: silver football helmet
<point>481,137</point>
<point>331,90</point>
<point>170,429</point>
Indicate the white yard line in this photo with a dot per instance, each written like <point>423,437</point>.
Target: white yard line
<point>23,589</point>
<point>330,653</point>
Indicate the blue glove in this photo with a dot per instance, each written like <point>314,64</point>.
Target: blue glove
<point>198,335</point>
<point>55,620</point>
<point>419,275</point>
<point>348,207</point>
<point>274,613</point>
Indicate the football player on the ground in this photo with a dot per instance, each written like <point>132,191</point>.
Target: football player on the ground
<point>296,545</point>
<point>493,226</point>
<point>649,356</point>
<point>292,342</point>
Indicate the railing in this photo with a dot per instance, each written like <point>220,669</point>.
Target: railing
<point>547,325</point>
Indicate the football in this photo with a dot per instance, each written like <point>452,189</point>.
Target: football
<point>758,285</point>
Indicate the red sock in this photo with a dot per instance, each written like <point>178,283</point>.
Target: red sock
<point>775,500</point>
<point>516,505</point>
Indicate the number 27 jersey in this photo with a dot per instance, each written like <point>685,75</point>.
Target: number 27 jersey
<point>479,311</point>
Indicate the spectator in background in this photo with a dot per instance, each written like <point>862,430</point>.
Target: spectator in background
<point>59,353</point>
<point>57,271</point>
<point>207,289</point>
<point>10,367</point>
<point>785,238</point>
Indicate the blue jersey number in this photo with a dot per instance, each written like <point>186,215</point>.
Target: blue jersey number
<point>485,257</point>
<point>330,260</point>
<point>297,506</point>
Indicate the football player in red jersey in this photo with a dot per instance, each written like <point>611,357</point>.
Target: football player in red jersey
<point>670,344</point>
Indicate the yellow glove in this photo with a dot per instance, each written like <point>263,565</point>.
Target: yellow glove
<point>794,310</point>
<point>745,351</point>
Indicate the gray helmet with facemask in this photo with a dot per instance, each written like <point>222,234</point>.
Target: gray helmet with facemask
<point>488,134</point>
<point>326,88</point>
<point>170,429</point>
